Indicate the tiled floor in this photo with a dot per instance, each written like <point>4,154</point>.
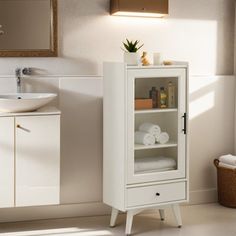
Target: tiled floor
<point>199,220</point>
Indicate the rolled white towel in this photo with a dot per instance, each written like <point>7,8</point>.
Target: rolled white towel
<point>150,128</point>
<point>153,170</point>
<point>154,163</point>
<point>228,159</point>
<point>162,138</point>
<point>144,138</point>
<point>227,166</point>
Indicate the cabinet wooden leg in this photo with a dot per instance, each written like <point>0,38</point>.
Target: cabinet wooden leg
<point>129,222</point>
<point>114,215</point>
<point>177,214</point>
<point>162,214</point>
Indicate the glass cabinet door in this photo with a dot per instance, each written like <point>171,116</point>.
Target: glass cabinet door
<point>156,124</point>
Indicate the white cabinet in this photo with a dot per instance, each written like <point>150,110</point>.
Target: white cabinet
<point>7,162</point>
<point>37,160</point>
<point>30,159</point>
<point>126,186</point>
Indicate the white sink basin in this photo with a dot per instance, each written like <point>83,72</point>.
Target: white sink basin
<point>24,102</point>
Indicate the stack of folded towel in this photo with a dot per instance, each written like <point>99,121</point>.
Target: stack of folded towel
<point>151,164</point>
<point>149,134</point>
<point>228,161</point>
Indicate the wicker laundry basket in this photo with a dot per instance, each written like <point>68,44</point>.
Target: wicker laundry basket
<point>226,182</point>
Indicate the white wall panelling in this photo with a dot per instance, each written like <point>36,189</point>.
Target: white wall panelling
<point>50,212</point>
<point>80,100</point>
<point>81,142</point>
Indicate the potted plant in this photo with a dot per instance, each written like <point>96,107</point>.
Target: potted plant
<point>131,56</point>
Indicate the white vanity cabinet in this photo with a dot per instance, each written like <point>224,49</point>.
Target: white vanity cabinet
<point>125,187</point>
<point>7,161</point>
<point>30,159</point>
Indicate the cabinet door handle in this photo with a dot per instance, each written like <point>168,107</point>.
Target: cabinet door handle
<point>158,194</point>
<point>185,123</point>
<point>19,127</point>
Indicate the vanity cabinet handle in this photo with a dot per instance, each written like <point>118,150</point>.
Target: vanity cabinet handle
<point>158,194</point>
<point>19,127</point>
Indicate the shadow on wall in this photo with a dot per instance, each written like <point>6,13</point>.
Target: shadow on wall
<point>211,127</point>
<point>42,85</point>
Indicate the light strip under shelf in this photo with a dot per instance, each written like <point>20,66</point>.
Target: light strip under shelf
<point>138,14</point>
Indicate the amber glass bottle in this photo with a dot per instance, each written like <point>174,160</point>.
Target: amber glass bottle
<point>163,98</point>
<point>153,94</point>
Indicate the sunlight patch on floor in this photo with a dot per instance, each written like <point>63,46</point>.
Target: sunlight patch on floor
<point>59,232</point>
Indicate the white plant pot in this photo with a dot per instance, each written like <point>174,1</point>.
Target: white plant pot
<point>131,58</point>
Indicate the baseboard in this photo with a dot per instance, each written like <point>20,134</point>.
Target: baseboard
<point>84,209</point>
<point>53,212</point>
<point>203,196</point>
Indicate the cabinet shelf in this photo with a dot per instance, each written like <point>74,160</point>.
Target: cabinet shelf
<point>143,147</point>
<point>158,110</point>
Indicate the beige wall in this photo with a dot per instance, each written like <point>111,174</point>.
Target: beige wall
<point>201,32</point>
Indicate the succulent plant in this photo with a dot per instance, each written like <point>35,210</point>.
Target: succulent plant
<point>132,46</point>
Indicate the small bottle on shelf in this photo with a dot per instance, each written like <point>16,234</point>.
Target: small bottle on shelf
<point>171,95</point>
<point>153,94</point>
<point>163,98</point>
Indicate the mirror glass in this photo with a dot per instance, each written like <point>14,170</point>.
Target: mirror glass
<point>28,28</point>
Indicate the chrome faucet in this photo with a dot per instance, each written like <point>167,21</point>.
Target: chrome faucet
<point>19,72</point>
<point>18,79</point>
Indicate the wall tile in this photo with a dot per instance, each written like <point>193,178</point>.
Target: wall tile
<point>7,85</point>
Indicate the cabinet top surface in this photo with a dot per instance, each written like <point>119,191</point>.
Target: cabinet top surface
<point>42,111</point>
<point>155,67</point>
<point>175,64</point>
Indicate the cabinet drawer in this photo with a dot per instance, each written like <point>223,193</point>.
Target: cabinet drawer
<point>156,194</point>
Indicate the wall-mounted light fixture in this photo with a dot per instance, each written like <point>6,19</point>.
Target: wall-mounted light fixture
<point>143,8</point>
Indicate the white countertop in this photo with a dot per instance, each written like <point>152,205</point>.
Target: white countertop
<point>40,112</point>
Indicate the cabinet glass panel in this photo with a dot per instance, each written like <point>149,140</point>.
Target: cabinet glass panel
<point>156,125</point>
<point>143,86</point>
<point>155,160</point>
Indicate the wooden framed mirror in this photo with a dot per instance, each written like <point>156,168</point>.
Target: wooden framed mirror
<point>28,28</point>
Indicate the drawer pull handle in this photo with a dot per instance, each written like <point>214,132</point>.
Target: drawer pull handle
<point>20,127</point>
<point>158,194</point>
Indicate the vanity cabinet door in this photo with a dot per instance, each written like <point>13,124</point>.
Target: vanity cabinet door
<point>6,162</point>
<point>37,160</point>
